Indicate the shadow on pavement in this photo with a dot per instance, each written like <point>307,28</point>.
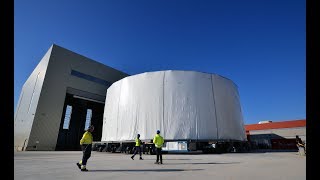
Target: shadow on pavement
<point>142,170</point>
<point>172,159</point>
<point>271,150</point>
<point>205,163</point>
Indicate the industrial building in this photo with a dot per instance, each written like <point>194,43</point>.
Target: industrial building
<point>276,135</point>
<point>59,99</point>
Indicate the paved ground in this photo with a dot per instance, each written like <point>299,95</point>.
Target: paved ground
<point>101,165</point>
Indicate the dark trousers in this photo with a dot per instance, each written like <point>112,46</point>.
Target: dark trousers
<point>86,149</point>
<point>138,148</point>
<point>304,148</point>
<point>159,154</point>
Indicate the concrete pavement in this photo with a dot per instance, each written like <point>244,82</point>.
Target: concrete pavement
<point>47,165</point>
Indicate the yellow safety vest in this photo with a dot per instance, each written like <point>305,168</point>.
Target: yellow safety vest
<point>86,138</point>
<point>158,141</point>
<point>138,142</point>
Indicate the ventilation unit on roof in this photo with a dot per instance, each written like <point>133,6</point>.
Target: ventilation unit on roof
<point>263,122</point>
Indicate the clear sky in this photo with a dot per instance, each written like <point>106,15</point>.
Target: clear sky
<point>258,44</point>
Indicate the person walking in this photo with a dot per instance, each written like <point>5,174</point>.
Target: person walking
<point>86,146</point>
<point>158,142</point>
<point>137,147</point>
<point>300,144</point>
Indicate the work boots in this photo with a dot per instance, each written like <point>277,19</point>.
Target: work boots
<point>83,168</point>
<point>79,165</point>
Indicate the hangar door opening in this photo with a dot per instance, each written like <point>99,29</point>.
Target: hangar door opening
<point>78,114</point>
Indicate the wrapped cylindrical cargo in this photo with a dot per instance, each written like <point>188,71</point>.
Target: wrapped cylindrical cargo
<point>183,105</point>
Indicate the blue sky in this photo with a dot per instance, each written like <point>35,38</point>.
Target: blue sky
<point>260,45</point>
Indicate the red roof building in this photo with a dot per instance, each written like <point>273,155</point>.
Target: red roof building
<point>276,125</point>
<point>276,135</point>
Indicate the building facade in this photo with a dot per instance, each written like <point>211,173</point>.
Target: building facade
<point>276,135</point>
<point>62,96</point>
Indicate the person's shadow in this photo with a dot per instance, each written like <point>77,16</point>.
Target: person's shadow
<point>142,170</point>
<point>205,163</point>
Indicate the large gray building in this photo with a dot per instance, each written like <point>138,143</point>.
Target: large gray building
<point>57,102</point>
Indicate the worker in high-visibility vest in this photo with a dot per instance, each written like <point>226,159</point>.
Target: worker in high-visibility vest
<point>137,147</point>
<point>158,142</point>
<point>86,146</point>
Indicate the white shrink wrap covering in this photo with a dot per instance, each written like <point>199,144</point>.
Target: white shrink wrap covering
<point>229,116</point>
<point>183,105</point>
<point>188,106</point>
<point>110,122</point>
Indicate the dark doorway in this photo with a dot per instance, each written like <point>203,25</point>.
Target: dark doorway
<point>73,122</point>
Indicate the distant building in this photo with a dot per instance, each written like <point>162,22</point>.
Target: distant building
<point>276,135</point>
